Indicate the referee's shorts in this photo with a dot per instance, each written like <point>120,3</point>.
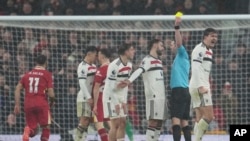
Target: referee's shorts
<point>180,103</point>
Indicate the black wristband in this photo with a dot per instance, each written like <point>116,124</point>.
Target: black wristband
<point>176,27</point>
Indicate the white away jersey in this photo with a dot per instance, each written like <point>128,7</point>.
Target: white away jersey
<point>153,77</point>
<point>116,73</point>
<point>201,64</point>
<point>85,73</point>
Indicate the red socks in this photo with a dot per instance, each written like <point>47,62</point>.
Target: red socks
<point>103,134</point>
<point>45,134</point>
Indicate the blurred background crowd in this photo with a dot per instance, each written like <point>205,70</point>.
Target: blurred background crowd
<point>65,49</point>
<point>122,7</point>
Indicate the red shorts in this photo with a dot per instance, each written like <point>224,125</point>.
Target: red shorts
<point>100,115</point>
<point>37,115</point>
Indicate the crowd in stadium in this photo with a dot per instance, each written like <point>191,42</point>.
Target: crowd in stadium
<point>64,49</point>
<point>121,7</point>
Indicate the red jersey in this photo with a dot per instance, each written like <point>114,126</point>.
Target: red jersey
<point>36,82</point>
<point>100,76</point>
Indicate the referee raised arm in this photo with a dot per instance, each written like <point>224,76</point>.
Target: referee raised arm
<point>180,97</point>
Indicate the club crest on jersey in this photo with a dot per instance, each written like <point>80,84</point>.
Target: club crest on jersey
<point>113,72</point>
<point>200,54</point>
<point>83,72</point>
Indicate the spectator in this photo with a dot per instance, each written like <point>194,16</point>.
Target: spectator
<point>238,80</point>
<point>10,125</point>
<point>29,40</point>
<point>188,7</point>
<point>169,7</point>
<point>5,100</point>
<point>103,8</point>
<point>42,44</point>
<point>8,43</point>
<point>218,72</point>
<point>66,102</point>
<point>91,8</point>
<point>27,9</point>
<point>53,7</point>
<point>229,105</point>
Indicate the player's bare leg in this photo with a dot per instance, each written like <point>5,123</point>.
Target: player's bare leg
<point>120,135</point>
<point>197,119</point>
<point>154,129</point>
<point>81,132</point>
<point>102,131</point>
<point>113,129</point>
<point>45,133</point>
<point>207,116</point>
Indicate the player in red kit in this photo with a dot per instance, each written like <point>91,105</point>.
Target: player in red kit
<point>38,85</point>
<point>99,82</point>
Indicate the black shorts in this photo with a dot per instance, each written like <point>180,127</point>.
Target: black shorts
<point>180,103</point>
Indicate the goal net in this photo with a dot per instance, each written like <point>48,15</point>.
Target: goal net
<point>63,40</point>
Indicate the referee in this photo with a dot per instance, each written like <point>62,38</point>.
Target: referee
<point>180,97</point>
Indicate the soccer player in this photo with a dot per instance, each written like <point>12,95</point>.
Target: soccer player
<point>180,97</point>
<point>99,82</point>
<point>86,71</point>
<point>37,84</point>
<point>114,98</point>
<point>153,78</point>
<point>199,87</point>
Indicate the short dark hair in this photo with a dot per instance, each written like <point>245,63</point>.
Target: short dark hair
<point>90,49</point>
<point>41,59</point>
<point>123,48</point>
<point>106,52</point>
<point>152,42</point>
<point>209,30</point>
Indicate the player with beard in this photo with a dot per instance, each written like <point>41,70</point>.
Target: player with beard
<point>199,86</point>
<point>154,87</point>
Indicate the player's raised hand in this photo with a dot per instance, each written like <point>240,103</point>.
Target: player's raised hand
<point>17,109</point>
<point>177,21</point>
<point>202,90</point>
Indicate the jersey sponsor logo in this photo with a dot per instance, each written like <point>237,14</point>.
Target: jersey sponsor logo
<point>125,69</point>
<point>155,62</point>
<point>209,53</point>
<point>91,68</point>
